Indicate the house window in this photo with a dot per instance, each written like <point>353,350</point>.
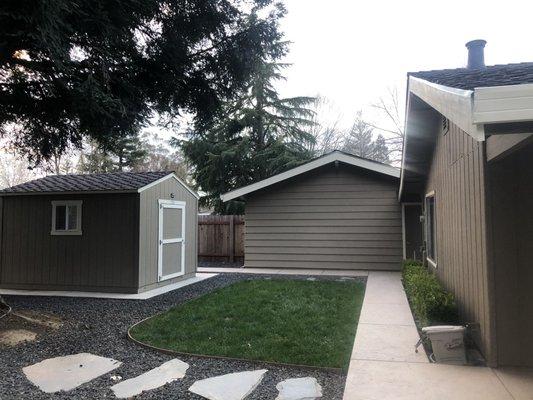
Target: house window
<point>431,229</point>
<point>66,217</point>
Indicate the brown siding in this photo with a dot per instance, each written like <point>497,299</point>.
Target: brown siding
<point>511,183</point>
<point>334,217</point>
<point>149,223</point>
<point>103,258</point>
<point>457,175</point>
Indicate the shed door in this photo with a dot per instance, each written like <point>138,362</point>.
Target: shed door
<point>171,257</point>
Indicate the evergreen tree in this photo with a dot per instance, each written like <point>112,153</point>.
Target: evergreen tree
<point>381,150</point>
<point>129,153</point>
<point>98,70</point>
<point>360,141</point>
<point>255,136</point>
<point>94,159</point>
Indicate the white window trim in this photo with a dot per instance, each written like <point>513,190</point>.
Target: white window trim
<point>430,261</point>
<point>162,204</point>
<point>78,230</point>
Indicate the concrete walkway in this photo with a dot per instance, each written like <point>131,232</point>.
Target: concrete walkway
<point>287,271</point>
<point>384,365</point>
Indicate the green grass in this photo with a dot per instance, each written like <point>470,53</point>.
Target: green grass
<point>286,321</point>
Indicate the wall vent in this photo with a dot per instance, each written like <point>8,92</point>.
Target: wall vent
<point>445,125</point>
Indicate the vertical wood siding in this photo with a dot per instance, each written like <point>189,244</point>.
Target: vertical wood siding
<point>334,217</point>
<point>103,258</point>
<point>457,175</point>
<point>511,183</point>
<point>148,233</point>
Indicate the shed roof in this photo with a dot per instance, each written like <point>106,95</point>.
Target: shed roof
<point>101,182</point>
<point>334,156</point>
<point>469,79</point>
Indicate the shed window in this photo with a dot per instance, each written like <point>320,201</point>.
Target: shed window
<point>66,217</point>
<point>431,229</point>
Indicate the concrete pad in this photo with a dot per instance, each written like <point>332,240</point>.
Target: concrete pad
<point>387,343</point>
<point>157,377</point>
<point>299,389</point>
<point>518,381</point>
<point>340,272</point>
<point>14,337</point>
<point>68,372</point>
<point>122,296</point>
<point>379,380</point>
<point>234,386</point>
<point>386,314</point>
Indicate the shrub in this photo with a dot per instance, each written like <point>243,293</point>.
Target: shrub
<point>432,305</point>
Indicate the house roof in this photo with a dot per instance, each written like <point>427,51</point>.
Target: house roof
<point>102,182</point>
<point>469,79</point>
<point>334,156</point>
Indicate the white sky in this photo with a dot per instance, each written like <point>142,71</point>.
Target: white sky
<point>352,51</point>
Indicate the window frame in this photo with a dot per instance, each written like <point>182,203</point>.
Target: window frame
<point>431,225</point>
<point>66,203</point>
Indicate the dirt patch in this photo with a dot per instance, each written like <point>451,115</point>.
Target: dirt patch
<point>43,319</point>
<point>14,337</point>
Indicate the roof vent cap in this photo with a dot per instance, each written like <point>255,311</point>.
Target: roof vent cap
<point>476,54</point>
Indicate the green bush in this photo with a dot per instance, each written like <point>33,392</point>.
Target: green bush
<point>432,305</point>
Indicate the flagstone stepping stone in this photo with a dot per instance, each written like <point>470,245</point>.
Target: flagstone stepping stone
<point>235,386</point>
<point>299,389</point>
<point>157,377</point>
<point>68,372</point>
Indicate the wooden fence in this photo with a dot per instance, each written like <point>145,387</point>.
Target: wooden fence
<point>221,238</point>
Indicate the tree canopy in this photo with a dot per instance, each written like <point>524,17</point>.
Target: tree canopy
<point>73,69</point>
<point>257,135</point>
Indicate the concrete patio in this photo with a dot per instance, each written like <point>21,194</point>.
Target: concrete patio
<point>385,366</point>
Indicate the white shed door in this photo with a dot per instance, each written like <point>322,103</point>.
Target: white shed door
<point>171,256</point>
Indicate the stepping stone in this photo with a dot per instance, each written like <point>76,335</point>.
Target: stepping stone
<point>299,389</point>
<point>68,372</point>
<point>234,386</point>
<point>157,377</point>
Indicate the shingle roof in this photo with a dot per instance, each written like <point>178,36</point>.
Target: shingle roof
<point>494,75</point>
<point>113,181</point>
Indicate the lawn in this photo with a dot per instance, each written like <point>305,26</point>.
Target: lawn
<point>286,321</point>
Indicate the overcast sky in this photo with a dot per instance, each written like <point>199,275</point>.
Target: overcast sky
<point>351,51</point>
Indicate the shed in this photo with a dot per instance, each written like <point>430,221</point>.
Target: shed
<point>124,232</point>
<point>337,211</point>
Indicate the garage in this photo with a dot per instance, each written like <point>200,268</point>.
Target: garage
<point>124,232</point>
<point>337,211</point>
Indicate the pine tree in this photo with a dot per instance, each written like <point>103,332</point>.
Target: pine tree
<point>381,150</point>
<point>72,71</point>
<point>359,138</point>
<point>256,136</point>
<point>360,141</point>
<point>129,153</point>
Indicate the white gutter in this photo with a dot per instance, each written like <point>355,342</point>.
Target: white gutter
<point>455,104</point>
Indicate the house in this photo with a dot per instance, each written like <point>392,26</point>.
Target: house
<point>123,232</point>
<point>337,211</point>
<point>468,160</point>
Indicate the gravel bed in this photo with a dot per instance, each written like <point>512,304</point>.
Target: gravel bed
<point>220,264</point>
<point>99,326</point>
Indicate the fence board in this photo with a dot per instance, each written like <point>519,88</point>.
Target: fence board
<point>221,238</point>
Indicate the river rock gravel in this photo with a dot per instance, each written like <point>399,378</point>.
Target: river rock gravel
<point>99,327</point>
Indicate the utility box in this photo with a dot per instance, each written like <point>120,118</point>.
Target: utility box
<point>447,342</point>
